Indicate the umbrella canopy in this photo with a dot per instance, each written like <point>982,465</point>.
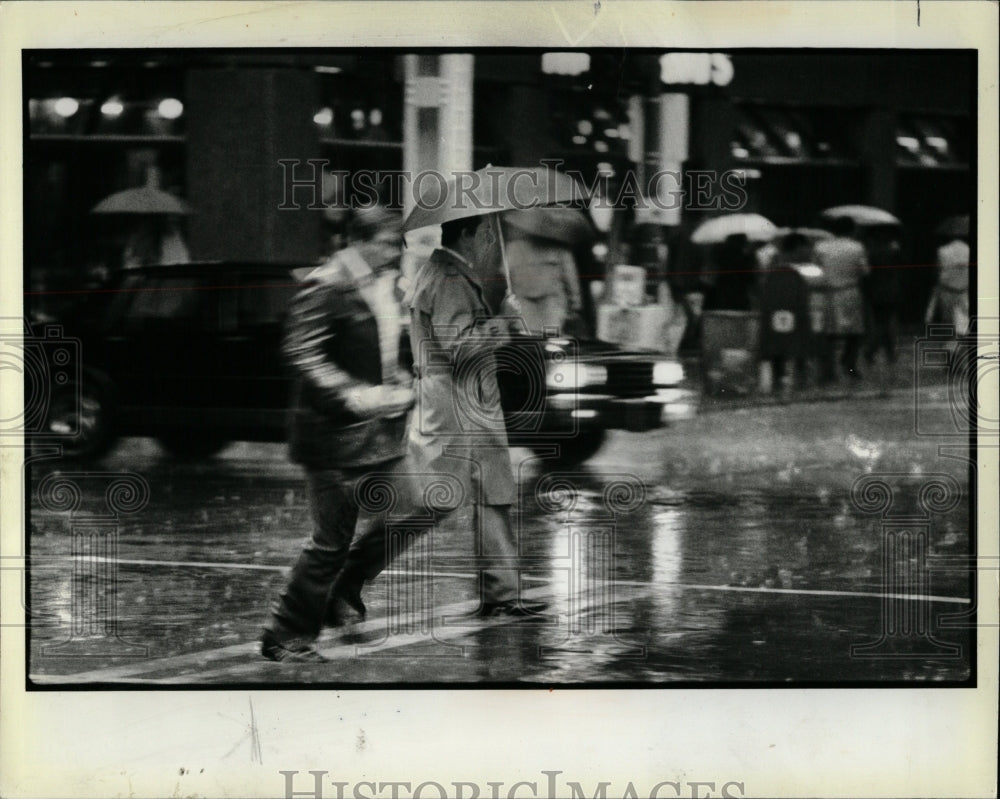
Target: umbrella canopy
<point>145,200</point>
<point>811,233</point>
<point>954,226</point>
<point>490,190</point>
<point>754,226</point>
<point>564,225</point>
<point>862,215</point>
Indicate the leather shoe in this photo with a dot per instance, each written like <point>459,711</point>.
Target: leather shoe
<point>291,650</point>
<point>342,604</point>
<point>524,609</point>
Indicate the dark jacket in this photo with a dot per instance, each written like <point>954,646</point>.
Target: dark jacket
<point>332,346</point>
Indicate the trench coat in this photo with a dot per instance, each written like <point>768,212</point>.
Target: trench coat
<point>457,427</point>
<point>845,264</point>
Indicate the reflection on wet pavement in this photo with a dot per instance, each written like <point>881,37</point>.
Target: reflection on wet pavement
<point>733,575</point>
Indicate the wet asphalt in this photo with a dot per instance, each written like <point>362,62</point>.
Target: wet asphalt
<point>815,543</point>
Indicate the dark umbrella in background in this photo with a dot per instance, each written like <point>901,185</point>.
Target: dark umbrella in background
<point>491,190</point>
<point>564,225</point>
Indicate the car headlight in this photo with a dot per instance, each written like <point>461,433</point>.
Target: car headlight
<point>667,373</point>
<point>572,375</point>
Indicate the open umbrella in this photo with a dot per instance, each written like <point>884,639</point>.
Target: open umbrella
<point>811,233</point>
<point>489,191</point>
<point>145,200</point>
<point>754,226</point>
<point>564,225</point>
<point>862,215</point>
<point>954,227</point>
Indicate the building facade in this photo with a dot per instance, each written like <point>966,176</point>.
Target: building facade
<point>803,130</point>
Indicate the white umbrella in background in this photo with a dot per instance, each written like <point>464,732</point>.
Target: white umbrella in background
<point>861,215</point>
<point>145,200</point>
<point>754,226</point>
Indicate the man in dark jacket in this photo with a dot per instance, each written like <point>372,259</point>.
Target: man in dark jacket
<point>349,414</point>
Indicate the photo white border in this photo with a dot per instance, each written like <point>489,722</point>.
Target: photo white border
<point>840,742</point>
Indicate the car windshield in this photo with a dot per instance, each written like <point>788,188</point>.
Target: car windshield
<point>143,300</point>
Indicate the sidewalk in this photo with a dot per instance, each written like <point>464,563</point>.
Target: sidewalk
<point>880,379</point>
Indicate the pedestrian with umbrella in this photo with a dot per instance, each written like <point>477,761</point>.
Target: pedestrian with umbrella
<point>950,296</point>
<point>155,237</point>
<point>458,452</point>
<point>845,263</point>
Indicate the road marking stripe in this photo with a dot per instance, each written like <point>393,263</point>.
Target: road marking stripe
<point>531,578</point>
<point>252,649</point>
<point>441,634</point>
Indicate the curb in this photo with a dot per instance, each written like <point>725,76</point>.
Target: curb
<point>719,405</point>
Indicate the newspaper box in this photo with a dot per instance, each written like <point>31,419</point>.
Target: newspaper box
<point>729,351</point>
<point>785,318</point>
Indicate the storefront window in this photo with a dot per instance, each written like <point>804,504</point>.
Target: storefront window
<point>769,133</point>
<point>931,141</point>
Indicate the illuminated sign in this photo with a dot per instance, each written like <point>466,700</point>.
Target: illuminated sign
<point>565,63</point>
<point>699,69</point>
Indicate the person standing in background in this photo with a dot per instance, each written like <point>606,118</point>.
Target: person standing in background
<point>845,264</point>
<point>951,293</point>
<point>882,289</point>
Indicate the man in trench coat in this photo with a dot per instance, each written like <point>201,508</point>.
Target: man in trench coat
<point>458,451</point>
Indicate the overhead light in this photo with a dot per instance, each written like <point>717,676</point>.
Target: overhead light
<point>611,133</point>
<point>170,108</point>
<point>112,108</point>
<point>939,143</point>
<point>585,126</point>
<point>328,70</point>
<point>579,140</point>
<point>565,63</point>
<point>66,107</point>
<point>324,117</point>
<point>908,142</point>
<point>601,146</point>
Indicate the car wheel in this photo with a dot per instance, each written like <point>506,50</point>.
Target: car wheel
<point>192,444</point>
<point>81,417</point>
<point>572,451</point>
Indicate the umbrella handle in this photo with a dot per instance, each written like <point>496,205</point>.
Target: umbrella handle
<point>503,254</point>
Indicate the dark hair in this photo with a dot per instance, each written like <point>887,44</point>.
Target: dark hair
<point>793,242</point>
<point>842,226</point>
<point>452,231</point>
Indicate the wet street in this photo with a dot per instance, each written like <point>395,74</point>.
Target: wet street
<point>811,543</point>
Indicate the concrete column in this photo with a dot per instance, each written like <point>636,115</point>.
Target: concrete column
<point>437,116</point>
<point>242,123</point>
<point>437,132</point>
<point>878,156</point>
<point>673,140</point>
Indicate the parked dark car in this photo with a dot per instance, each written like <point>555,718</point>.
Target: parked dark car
<point>191,355</point>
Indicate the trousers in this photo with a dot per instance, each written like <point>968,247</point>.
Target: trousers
<point>349,544</point>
